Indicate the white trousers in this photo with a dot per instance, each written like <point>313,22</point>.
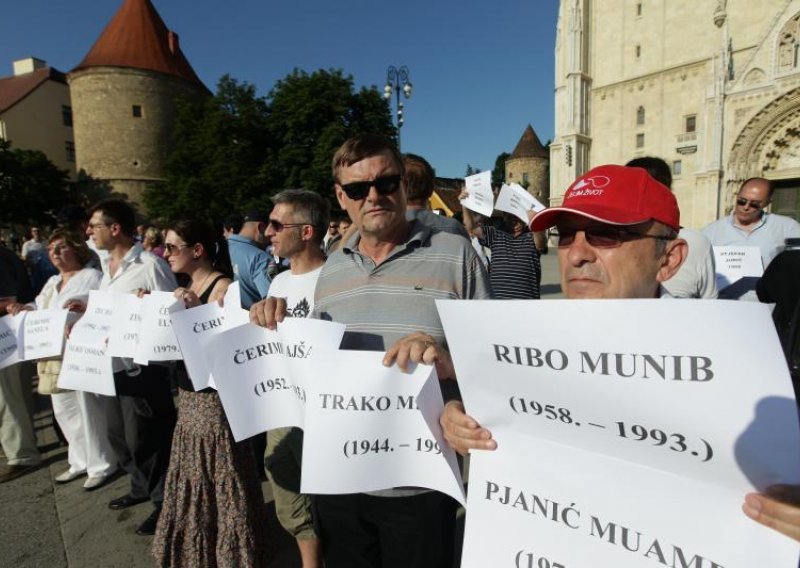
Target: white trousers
<point>82,418</point>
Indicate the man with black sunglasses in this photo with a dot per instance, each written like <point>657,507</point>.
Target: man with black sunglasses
<point>382,284</point>
<point>751,225</point>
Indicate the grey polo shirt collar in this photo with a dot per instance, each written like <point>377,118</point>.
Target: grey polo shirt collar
<point>418,236</point>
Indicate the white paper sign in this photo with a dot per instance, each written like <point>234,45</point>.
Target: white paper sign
<point>157,341</point>
<point>124,334</point>
<point>43,333</point>
<point>233,300</point>
<point>95,325</point>
<point>193,328</point>
<point>370,427</point>
<point>235,314</point>
<point>604,428</point>
<point>86,365</point>
<point>736,262</point>
<point>480,198</point>
<point>11,345</point>
<point>516,200</point>
<point>258,372</point>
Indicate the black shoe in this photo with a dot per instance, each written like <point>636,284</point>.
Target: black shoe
<point>148,527</point>
<point>126,501</point>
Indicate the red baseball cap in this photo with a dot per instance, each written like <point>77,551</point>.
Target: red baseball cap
<point>616,195</point>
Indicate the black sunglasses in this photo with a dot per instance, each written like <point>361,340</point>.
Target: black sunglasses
<point>604,237</point>
<point>741,202</point>
<point>384,185</point>
<point>277,226</point>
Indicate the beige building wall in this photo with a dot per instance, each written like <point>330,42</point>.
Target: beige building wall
<point>531,173</point>
<point>123,124</point>
<point>671,60</point>
<point>36,123</point>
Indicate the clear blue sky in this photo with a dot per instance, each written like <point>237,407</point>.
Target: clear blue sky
<point>482,70</point>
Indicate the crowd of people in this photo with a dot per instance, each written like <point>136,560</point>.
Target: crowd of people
<point>377,267</point>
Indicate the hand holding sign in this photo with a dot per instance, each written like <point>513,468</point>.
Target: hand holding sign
<point>516,200</point>
<point>479,195</point>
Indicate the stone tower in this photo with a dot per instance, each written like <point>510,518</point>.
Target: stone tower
<point>529,166</point>
<point>123,97</point>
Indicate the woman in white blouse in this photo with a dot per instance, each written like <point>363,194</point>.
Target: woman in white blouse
<point>77,413</point>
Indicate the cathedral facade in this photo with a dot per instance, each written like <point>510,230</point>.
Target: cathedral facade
<point>710,86</point>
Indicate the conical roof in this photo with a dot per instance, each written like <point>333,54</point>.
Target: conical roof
<point>529,146</point>
<point>137,37</point>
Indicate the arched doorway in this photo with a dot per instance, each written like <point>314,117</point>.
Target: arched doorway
<point>769,146</point>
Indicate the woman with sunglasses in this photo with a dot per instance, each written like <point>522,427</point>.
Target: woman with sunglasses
<point>213,512</point>
<point>81,419</point>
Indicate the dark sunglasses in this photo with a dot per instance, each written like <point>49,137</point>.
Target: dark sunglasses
<point>384,185</point>
<point>277,226</point>
<point>741,202</point>
<point>604,237</point>
<point>170,248</point>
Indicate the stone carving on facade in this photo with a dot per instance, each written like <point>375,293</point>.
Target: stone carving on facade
<point>788,45</point>
<point>720,13</point>
<point>754,77</point>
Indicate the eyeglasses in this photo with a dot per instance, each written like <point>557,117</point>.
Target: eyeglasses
<point>604,237</point>
<point>384,185</point>
<point>741,202</point>
<point>277,226</point>
<point>97,225</point>
<point>170,248</point>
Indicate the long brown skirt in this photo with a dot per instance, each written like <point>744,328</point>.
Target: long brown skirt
<point>214,513</point>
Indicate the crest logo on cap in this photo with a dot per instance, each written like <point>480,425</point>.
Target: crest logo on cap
<point>589,187</point>
<point>594,182</point>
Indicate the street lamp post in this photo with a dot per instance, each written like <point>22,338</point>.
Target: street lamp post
<point>397,80</point>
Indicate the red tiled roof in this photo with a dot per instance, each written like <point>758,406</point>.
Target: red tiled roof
<point>137,37</point>
<point>448,190</point>
<point>529,146</point>
<point>14,89</point>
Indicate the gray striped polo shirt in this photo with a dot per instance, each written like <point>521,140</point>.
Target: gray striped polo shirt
<point>381,304</point>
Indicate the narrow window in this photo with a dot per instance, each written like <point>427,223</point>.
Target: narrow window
<point>66,115</point>
<point>136,111</point>
<point>691,123</point>
<point>638,51</point>
<point>69,146</point>
<point>639,9</point>
<point>524,177</point>
<point>640,140</point>
<point>677,167</point>
<point>640,115</point>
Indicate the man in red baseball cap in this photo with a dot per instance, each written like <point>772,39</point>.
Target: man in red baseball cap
<point>617,238</point>
<point>617,234</point>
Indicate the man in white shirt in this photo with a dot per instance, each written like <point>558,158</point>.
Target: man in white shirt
<point>296,227</point>
<point>36,244</point>
<point>751,225</point>
<point>142,417</point>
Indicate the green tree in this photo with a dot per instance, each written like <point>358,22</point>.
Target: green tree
<point>219,147</point>
<point>499,171</point>
<point>235,149</point>
<point>310,115</point>
<point>32,188</point>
